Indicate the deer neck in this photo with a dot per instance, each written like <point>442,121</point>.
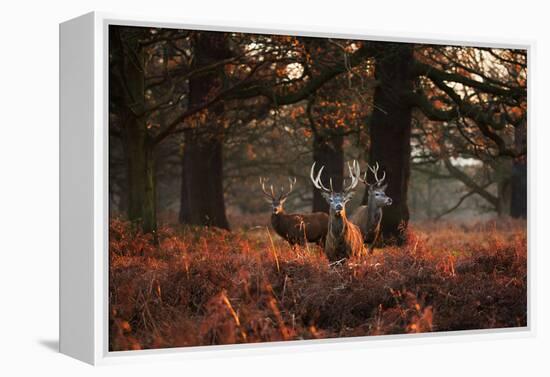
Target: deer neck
<point>337,224</point>
<point>277,223</point>
<point>276,217</point>
<point>373,212</point>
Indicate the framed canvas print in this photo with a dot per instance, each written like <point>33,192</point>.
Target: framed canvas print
<point>226,188</point>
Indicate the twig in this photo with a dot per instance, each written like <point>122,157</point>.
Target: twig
<point>337,262</point>
<point>273,249</point>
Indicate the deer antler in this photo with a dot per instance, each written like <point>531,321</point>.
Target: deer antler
<point>270,196</point>
<point>317,180</point>
<point>374,169</point>
<point>355,174</point>
<point>292,182</point>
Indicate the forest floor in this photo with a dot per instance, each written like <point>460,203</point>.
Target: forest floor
<point>204,287</point>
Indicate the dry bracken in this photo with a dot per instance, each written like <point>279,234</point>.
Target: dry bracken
<point>206,286</point>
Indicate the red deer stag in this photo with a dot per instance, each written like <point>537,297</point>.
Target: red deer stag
<point>369,217</point>
<point>344,238</point>
<point>296,228</point>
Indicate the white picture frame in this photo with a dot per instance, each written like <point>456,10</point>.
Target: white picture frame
<point>84,192</point>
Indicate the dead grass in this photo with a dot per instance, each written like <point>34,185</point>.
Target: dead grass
<point>203,287</point>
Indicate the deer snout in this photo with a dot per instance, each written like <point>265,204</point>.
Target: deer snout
<point>388,201</point>
<point>338,208</point>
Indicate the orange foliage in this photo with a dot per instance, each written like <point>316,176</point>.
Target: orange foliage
<point>206,286</point>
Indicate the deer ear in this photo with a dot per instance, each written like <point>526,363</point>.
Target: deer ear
<point>383,188</point>
<point>282,200</point>
<point>349,195</point>
<point>325,195</point>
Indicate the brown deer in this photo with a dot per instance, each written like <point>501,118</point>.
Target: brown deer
<point>296,228</point>
<point>369,217</point>
<point>344,238</point>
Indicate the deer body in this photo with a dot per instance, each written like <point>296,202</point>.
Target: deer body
<point>301,228</point>
<point>296,228</point>
<point>344,238</point>
<point>368,218</point>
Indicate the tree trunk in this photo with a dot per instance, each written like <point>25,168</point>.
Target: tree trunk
<point>141,179</point>
<point>390,133</point>
<point>128,87</point>
<point>202,199</point>
<point>328,151</point>
<point>504,186</point>
<point>518,202</point>
<point>185,209</point>
<point>203,163</point>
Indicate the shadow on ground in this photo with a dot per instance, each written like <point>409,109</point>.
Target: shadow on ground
<point>52,345</point>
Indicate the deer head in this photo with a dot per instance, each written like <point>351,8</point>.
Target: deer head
<point>336,200</point>
<point>377,189</point>
<point>277,201</point>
